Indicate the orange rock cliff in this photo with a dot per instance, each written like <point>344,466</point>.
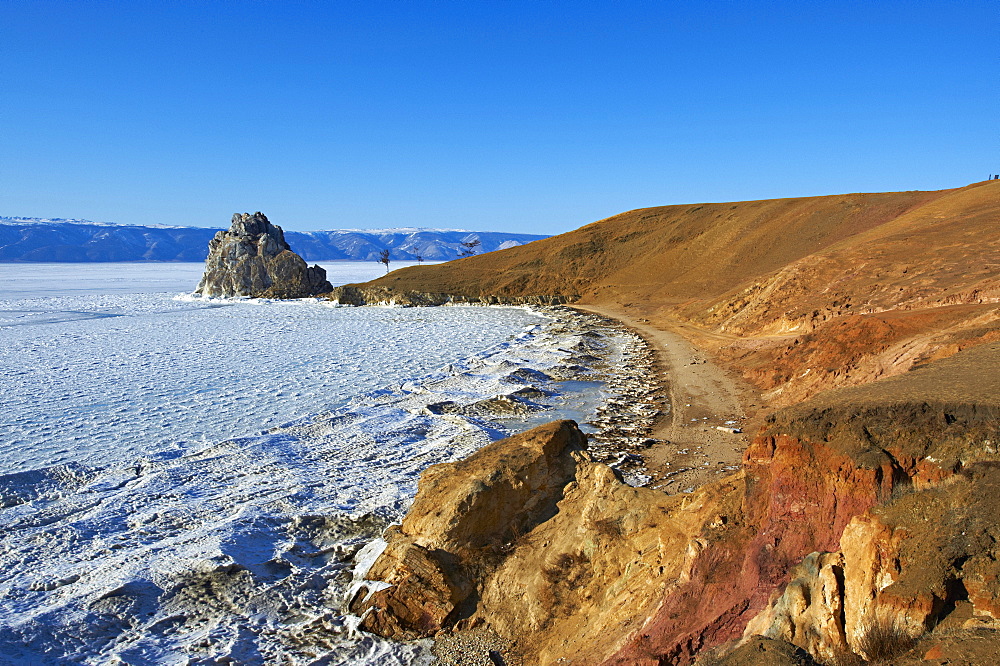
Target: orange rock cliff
<point>861,525</point>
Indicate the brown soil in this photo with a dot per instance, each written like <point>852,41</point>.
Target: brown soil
<point>763,304</point>
<point>795,295</point>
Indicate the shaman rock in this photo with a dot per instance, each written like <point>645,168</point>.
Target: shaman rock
<point>252,259</point>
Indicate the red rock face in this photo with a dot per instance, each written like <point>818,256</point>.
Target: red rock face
<point>819,480</point>
<point>843,458</point>
<point>800,497</point>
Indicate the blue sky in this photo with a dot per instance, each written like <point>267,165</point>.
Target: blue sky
<point>534,117</point>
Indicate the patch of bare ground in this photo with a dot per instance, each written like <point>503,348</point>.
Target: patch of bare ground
<point>479,646</point>
<point>701,433</point>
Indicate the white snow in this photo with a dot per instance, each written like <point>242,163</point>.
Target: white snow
<point>92,378</point>
<point>30,280</point>
<point>141,519</point>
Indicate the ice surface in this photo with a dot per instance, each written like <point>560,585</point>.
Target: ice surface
<point>133,531</point>
<point>92,378</point>
<point>31,280</point>
<point>24,281</point>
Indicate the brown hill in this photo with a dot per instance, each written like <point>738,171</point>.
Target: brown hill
<point>849,287</point>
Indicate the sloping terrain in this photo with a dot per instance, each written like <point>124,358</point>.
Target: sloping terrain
<point>798,295</point>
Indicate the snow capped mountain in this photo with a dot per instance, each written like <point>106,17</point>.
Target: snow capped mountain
<point>68,240</point>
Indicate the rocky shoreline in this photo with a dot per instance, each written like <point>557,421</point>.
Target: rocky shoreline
<point>620,438</point>
<point>575,551</point>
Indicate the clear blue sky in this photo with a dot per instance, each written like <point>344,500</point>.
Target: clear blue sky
<point>535,116</point>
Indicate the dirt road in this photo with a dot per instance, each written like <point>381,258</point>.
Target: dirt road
<point>705,405</point>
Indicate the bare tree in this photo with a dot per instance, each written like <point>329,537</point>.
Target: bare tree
<point>469,248</point>
<point>383,257</point>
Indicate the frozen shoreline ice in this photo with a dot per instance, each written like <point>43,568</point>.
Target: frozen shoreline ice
<point>91,378</point>
<point>244,548</point>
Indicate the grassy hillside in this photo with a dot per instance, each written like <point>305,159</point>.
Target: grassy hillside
<point>849,287</point>
<point>867,501</point>
<point>671,251</point>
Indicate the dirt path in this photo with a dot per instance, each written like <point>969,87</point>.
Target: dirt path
<point>703,399</point>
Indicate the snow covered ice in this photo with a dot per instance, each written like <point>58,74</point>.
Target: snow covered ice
<point>190,480</point>
<point>97,377</point>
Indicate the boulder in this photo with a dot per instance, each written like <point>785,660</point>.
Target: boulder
<point>466,516</point>
<point>761,651</point>
<point>252,259</point>
<point>543,546</point>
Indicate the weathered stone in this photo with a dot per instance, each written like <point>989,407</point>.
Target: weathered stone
<point>501,491</point>
<point>761,651</point>
<point>809,612</point>
<point>464,515</point>
<point>904,568</point>
<point>621,575</point>
<point>253,259</point>
<point>584,582</point>
<point>553,551</point>
<point>421,595</point>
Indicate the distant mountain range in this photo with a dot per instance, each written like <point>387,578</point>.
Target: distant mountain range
<point>61,240</point>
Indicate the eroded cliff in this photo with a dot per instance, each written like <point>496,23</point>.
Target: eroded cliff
<point>875,505</point>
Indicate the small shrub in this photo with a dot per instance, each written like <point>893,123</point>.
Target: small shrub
<point>608,527</point>
<point>901,490</point>
<point>883,639</point>
<point>565,569</point>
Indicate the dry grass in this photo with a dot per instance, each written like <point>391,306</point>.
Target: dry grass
<point>565,568</point>
<point>884,639</point>
<point>608,527</point>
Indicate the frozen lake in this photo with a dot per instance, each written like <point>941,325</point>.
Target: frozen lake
<point>31,280</point>
<point>115,365</point>
<point>190,482</point>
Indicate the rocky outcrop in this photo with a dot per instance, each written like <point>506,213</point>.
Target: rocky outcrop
<point>863,520</point>
<point>869,511</point>
<point>465,515</point>
<point>905,567</point>
<point>582,585</point>
<point>353,295</point>
<point>252,259</point>
<point>549,549</point>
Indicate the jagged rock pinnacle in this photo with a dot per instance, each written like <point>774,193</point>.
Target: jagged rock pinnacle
<point>252,259</point>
